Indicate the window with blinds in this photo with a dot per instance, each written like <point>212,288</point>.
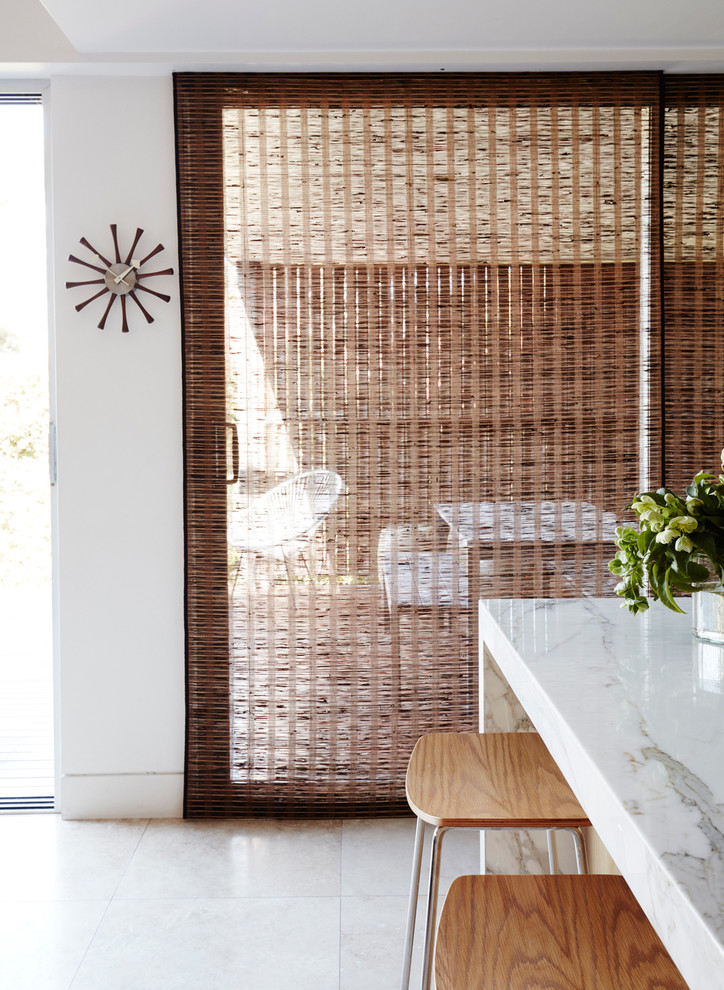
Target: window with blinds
<point>444,292</point>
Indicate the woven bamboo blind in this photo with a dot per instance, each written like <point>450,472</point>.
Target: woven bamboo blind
<point>693,275</point>
<point>443,289</point>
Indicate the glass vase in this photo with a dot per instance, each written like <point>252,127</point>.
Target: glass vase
<point>707,614</point>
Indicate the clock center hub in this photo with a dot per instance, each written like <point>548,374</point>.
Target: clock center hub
<point>120,278</point>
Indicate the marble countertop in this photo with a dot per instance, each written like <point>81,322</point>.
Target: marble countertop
<point>632,710</point>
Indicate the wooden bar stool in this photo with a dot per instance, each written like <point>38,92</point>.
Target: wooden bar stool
<point>491,780</point>
<point>557,933</point>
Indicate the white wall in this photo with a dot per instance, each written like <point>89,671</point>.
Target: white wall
<point>119,421</point>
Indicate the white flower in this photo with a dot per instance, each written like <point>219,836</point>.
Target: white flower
<point>667,536</point>
<point>684,543</point>
<point>653,517</point>
<point>686,524</point>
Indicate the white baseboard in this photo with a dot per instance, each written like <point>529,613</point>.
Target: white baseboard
<point>127,795</point>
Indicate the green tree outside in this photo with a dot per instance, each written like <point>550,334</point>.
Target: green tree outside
<point>24,483</point>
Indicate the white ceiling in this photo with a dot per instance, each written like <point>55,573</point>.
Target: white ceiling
<point>336,25</point>
<point>669,34</point>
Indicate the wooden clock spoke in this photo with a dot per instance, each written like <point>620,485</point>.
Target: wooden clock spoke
<point>166,271</point>
<point>79,261</point>
<point>83,305</point>
<point>137,301</point>
<point>90,281</point>
<point>124,325</point>
<point>159,295</point>
<point>109,307</point>
<point>159,247</point>
<point>90,247</point>
<point>136,239</point>
<point>114,235</point>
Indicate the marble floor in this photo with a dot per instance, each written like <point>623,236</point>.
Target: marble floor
<point>249,905</point>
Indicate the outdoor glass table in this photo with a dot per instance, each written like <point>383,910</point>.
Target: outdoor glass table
<point>514,535</point>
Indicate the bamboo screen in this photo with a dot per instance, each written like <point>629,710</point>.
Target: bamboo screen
<point>693,275</point>
<point>440,289</point>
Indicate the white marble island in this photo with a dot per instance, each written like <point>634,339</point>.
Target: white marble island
<point>632,710</point>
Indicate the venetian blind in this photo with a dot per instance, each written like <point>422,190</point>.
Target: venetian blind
<point>443,290</point>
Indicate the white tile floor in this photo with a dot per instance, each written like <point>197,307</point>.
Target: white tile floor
<point>249,905</point>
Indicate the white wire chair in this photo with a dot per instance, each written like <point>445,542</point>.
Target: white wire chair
<point>283,521</point>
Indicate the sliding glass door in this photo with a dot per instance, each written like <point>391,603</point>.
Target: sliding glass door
<point>438,292</point>
<point>27,766</point>
<point>693,275</point>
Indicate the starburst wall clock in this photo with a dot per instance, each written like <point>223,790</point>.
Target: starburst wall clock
<point>122,279</point>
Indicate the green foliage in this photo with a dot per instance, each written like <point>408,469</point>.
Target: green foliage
<point>678,546</point>
<point>8,341</point>
<point>24,483</point>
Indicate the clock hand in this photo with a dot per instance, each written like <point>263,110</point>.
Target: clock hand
<point>122,277</point>
<point>117,278</point>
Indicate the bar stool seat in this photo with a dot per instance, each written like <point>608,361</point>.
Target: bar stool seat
<point>490,780</point>
<point>552,932</point>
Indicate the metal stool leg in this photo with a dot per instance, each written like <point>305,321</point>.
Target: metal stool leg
<point>552,852</point>
<point>412,906</point>
<point>433,886</point>
<point>580,848</point>
<point>578,845</point>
